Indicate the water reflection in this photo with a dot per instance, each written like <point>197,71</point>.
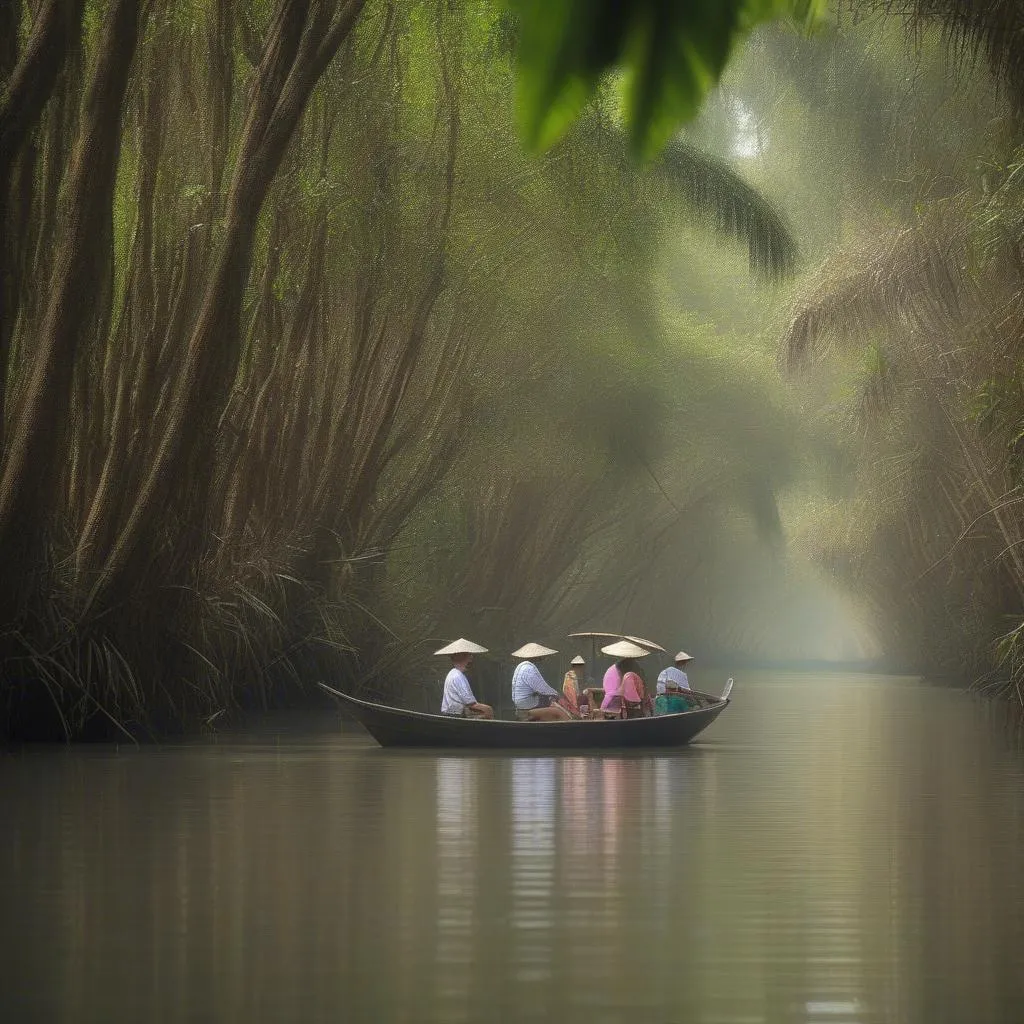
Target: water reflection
<point>457,856</point>
<point>847,851</point>
<point>533,822</point>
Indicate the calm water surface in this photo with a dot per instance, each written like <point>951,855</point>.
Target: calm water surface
<point>834,849</point>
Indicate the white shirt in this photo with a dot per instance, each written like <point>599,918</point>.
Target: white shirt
<point>528,686</point>
<point>672,674</point>
<point>457,693</point>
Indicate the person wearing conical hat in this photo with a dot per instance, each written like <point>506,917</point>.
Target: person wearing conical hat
<point>457,698</point>
<point>674,677</point>
<point>671,683</point>
<point>534,700</point>
<point>624,690</point>
<point>571,684</point>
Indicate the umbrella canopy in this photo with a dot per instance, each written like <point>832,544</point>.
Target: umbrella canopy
<point>638,640</point>
<point>649,644</point>
<point>462,646</point>
<point>625,649</point>
<point>533,651</point>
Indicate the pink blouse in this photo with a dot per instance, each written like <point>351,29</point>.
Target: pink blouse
<point>614,684</point>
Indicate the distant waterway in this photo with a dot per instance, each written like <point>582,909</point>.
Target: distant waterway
<point>834,849</point>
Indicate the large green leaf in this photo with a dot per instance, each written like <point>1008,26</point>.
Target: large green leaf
<point>671,52</point>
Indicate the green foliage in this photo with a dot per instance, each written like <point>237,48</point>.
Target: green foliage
<point>917,314</point>
<point>670,53</point>
<point>996,409</point>
<point>486,388</point>
<point>718,194</point>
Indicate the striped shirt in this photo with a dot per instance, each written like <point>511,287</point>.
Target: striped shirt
<point>528,686</point>
<point>673,675</point>
<point>457,693</point>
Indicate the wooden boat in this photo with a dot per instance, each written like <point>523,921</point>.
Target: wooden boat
<point>397,727</point>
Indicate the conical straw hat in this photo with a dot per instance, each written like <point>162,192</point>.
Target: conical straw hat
<point>462,646</point>
<point>683,656</point>
<point>625,649</point>
<point>533,651</point>
<point>578,660</point>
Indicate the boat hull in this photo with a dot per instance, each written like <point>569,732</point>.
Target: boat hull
<point>396,727</point>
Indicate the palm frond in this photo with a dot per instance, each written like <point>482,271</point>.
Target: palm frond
<point>993,28</point>
<point>916,281</point>
<point>717,195</point>
<point>877,390</point>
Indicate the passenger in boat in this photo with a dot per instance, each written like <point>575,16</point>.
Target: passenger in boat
<point>571,688</point>
<point>458,698</point>
<point>534,699</point>
<point>625,695</point>
<point>672,701</point>
<point>675,673</point>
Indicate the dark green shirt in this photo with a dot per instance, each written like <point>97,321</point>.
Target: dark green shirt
<point>670,703</point>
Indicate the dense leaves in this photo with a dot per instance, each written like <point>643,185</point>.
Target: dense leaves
<point>920,321</point>
<point>670,54</point>
<point>306,361</point>
<point>323,363</point>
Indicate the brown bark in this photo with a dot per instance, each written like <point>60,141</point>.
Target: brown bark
<point>283,453</point>
<point>371,433</point>
<point>222,79</point>
<point>130,350</point>
<point>27,85</point>
<point>10,19</point>
<point>33,463</point>
<point>32,80</point>
<point>57,132</point>
<point>302,41</point>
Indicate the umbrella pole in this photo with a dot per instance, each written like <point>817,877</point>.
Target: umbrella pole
<point>593,658</point>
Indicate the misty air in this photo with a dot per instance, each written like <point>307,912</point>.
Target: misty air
<point>511,511</point>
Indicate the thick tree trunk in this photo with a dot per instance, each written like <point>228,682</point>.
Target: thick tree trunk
<point>34,459</point>
<point>10,16</point>
<point>302,41</point>
<point>25,86</point>
<point>34,75</point>
<point>132,343</point>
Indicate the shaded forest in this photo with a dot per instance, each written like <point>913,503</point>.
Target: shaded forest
<point>308,360</point>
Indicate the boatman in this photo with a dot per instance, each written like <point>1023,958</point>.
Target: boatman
<point>458,699</point>
<point>674,675</point>
<point>672,687</point>
<point>535,701</point>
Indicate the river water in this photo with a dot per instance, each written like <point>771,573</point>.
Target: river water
<point>834,849</point>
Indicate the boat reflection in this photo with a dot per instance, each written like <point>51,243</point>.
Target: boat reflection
<point>534,818</point>
<point>457,824</point>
